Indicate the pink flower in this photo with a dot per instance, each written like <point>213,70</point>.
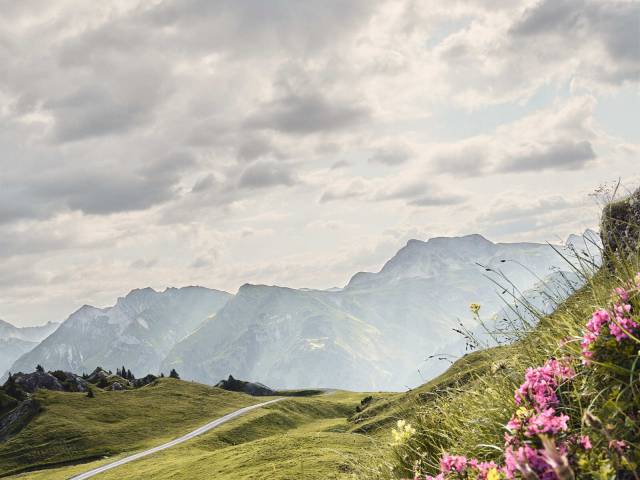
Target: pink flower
<point>619,445</point>
<point>453,463</point>
<point>585,442</point>
<point>622,293</point>
<point>540,385</point>
<point>546,422</point>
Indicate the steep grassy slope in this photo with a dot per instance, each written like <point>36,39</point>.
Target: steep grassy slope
<point>72,428</point>
<point>465,410</point>
<point>298,438</point>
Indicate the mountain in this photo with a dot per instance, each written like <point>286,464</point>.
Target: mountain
<point>138,331</point>
<point>27,334</point>
<point>377,331</point>
<point>16,341</point>
<point>283,337</point>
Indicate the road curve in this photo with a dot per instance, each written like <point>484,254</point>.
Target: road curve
<point>173,443</point>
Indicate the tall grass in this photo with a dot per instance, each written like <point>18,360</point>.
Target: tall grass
<point>468,417</point>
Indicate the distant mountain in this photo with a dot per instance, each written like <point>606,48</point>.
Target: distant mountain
<point>16,341</point>
<point>375,333</point>
<point>138,331</point>
<point>284,337</point>
<point>28,334</point>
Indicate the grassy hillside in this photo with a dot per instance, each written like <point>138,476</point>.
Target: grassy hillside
<point>301,437</point>
<point>464,411</point>
<point>73,428</point>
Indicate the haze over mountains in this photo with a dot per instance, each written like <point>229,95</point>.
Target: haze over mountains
<point>16,341</point>
<point>375,333</point>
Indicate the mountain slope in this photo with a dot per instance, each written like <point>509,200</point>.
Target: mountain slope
<point>138,331</point>
<point>285,338</point>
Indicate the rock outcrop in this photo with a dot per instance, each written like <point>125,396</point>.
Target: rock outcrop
<point>250,388</point>
<point>620,229</point>
<point>18,418</point>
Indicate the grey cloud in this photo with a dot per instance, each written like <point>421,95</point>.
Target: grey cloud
<point>500,213</point>
<point>616,24</point>
<point>301,115</point>
<point>391,156</point>
<point>355,188</point>
<point>550,15</point>
<point>253,27</point>
<point>340,164</point>
<point>256,147</point>
<point>466,160</point>
<point>420,194</point>
<point>205,183</point>
<point>142,264</point>
<point>266,174</point>
<point>564,155</point>
<point>438,200</point>
<point>93,189</point>
<point>107,105</point>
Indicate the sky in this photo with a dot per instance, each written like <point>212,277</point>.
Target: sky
<point>221,142</point>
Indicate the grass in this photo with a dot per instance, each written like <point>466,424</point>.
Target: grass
<point>301,437</point>
<point>72,428</point>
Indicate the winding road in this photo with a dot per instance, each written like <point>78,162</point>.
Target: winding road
<point>173,443</point>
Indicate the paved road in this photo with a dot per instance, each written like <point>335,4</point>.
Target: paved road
<point>173,443</point>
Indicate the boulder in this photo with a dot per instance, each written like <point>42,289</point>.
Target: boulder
<point>620,227</point>
<point>250,388</point>
<point>116,387</point>
<point>71,382</point>
<point>30,382</point>
<point>141,382</point>
<point>98,374</point>
<point>18,418</point>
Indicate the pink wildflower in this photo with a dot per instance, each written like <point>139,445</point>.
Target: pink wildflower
<point>541,383</point>
<point>546,422</point>
<point>585,442</point>
<point>619,445</point>
<point>453,463</point>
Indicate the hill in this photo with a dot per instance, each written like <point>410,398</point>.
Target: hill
<point>72,428</point>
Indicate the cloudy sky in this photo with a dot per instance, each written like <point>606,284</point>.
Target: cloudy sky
<point>156,143</point>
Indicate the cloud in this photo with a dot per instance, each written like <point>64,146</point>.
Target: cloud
<point>95,189</point>
<point>301,115</point>
<point>419,194</point>
<point>345,189</point>
<point>564,155</point>
<point>391,155</point>
<point>560,137</point>
<point>267,174</point>
<point>466,158</point>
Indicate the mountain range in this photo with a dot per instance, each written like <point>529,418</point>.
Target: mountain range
<point>16,341</point>
<point>375,333</point>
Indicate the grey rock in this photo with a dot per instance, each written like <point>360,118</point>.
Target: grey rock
<point>18,418</point>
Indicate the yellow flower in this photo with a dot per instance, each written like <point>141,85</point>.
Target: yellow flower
<point>493,474</point>
<point>402,432</point>
<point>475,308</point>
